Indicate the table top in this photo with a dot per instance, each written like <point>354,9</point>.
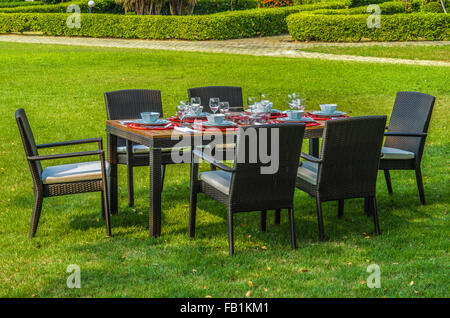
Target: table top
<point>169,133</point>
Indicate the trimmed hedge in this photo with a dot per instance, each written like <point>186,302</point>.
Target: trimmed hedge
<point>19,4</point>
<point>101,6</point>
<point>219,26</point>
<point>391,7</point>
<point>397,27</point>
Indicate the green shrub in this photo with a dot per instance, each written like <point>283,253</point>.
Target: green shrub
<point>391,7</point>
<point>16,3</point>
<point>435,7</point>
<point>101,6</point>
<point>215,6</point>
<point>359,3</point>
<point>219,26</point>
<point>397,27</point>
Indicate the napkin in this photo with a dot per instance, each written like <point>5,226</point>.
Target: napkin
<point>184,129</point>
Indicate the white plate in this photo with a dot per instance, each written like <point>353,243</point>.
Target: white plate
<point>305,119</point>
<point>202,114</point>
<point>159,122</point>
<point>321,113</point>
<point>224,123</point>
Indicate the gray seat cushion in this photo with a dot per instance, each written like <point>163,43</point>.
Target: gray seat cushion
<point>308,172</point>
<point>218,179</point>
<point>73,172</point>
<point>395,153</point>
<point>144,149</point>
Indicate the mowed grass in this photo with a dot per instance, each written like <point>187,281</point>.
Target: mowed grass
<point>61,88</point>
<point>432,52</point>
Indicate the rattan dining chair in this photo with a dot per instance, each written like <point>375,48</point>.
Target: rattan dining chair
<point>347,167</point>
<point>230,94</point>
<point>243,187</point>
<point>406,135</point>
<point>63,179</point>
<point>128,104</point>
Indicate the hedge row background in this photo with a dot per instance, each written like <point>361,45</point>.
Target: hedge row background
<point>397,27</point>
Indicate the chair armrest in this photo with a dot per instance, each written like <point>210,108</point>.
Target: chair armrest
<point>405,134</point>
<point>310,158</point>
<point>212,161</point>
<point>66,155</point>
<point>72,142</point>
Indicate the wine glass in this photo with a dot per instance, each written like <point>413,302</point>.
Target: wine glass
<point>195,102</point>
<point>214,104</point>
<point>224,107</point>
<point>295,101</point>
<point>265,98</point>
<point>251,103</point>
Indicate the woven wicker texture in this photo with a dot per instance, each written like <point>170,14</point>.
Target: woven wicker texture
<point>350,152</point>
<point>411,113</point>
<point>230,94</point>
<point>130,103</point>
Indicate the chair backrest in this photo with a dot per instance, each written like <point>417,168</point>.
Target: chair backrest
<point>411,113</point>
<point>28,143</point>
<point>230,94</point>
<point>350,152</point>
<point>130,103</point>
<point>260,184</point>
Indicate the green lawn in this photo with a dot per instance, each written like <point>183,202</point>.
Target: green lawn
<point>435,52</point>
<point>62,88</point>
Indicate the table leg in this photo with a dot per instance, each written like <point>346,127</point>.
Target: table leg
<point>112,179</point>
<point>314,147</point>
<point>155,192</point>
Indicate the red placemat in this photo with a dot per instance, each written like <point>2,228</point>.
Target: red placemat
<point>146,127</point>
<point>308,124</point>
<point>214,128</point>
<point>315,117</point>
<point>187,120</point>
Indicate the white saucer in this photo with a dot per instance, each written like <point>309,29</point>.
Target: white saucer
<point>159,122</point>
<point>321,113</point>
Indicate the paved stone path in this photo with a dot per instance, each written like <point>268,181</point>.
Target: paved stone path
<point>268,46</point>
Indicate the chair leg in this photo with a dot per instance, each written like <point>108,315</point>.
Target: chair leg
<point>263,220</point>
<point>320,219</point>
<point>106,212</point>
<point>340,208</point>
<point>387,176</point>
<point>420,184</point>
<point>130,185</point>
<point>163,174</point>
<point>367,206</point>
<point>292,226</point>
<point>375,215</point>
<point>103,205</point>
<point>277,217</point>
<point>230,233</point>
<point>36,214</point>
<point>192,212</point>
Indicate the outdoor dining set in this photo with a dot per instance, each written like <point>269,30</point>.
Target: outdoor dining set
<point>241,146</point>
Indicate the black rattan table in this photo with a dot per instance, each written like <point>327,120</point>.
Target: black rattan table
<point>155,140</point>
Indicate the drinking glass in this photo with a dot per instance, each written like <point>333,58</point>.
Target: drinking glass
<point>214,104</point>
<point>295,101</point>
<point>224,107</point>
<point>195,101</point>
<point>265,98</point>
<point>251,103</point>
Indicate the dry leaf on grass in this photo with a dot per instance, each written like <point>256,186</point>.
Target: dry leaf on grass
<point>249,293</point>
